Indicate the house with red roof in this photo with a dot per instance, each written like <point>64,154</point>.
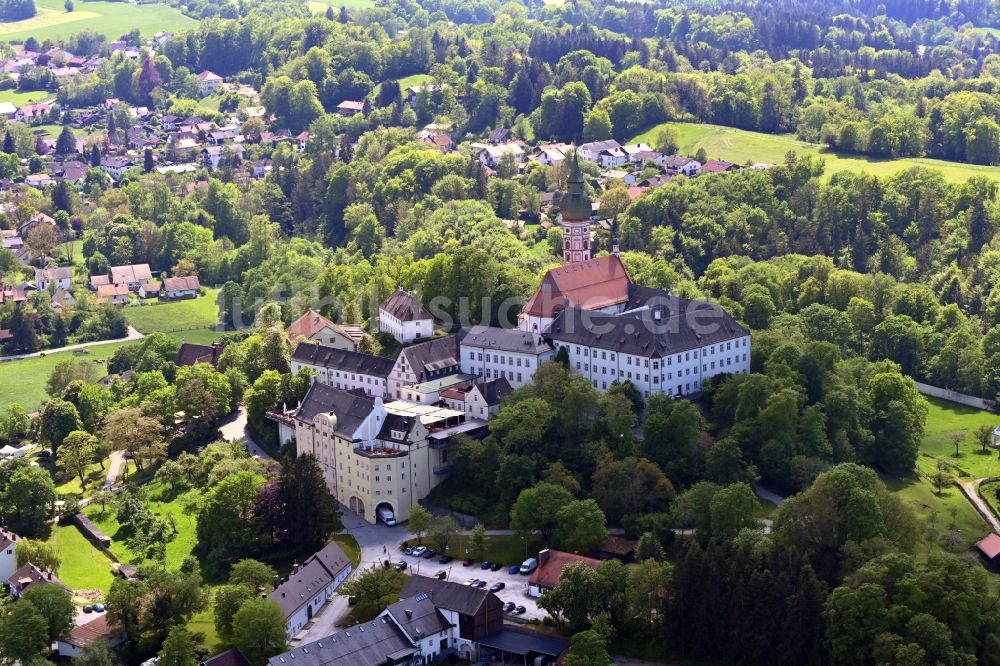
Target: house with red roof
<point>550,567</point>
<point>314,326</point>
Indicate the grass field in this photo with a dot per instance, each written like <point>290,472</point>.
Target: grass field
<point>23,381</point>
<point>944,419</point>
<point>350,546</point>
<point>949,510</point>
<point>20,98</point>
<point>157,315</point>
<point>112,19</point>
<point>319,6</point>
<point>84,567</point>
<point>741,146</point>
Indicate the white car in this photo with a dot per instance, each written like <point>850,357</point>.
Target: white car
<point>419,551</point>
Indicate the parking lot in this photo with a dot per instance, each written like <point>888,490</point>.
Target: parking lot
<point>516,585</point>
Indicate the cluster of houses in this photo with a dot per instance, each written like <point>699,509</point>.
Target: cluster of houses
<point>379,427</point>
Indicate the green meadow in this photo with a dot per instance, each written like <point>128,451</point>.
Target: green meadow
<point>742,146</point>
<point>112,19</point>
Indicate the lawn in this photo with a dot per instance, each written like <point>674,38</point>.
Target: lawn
<point>84,567</point>
<point>742,146</point>
<point>947,511</point>
<point>95,477</point>
<point>507,550</point>
<point>112,19</point>
<point>350,546</point>
<point>944,419</point>
<point>319,6</point>
<point>18,98</point>
<point>175,316</point>
<point>23,381</point>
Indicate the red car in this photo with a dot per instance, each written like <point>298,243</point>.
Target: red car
<point>468,562</point>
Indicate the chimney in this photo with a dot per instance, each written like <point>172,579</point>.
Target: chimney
<point>409,613</point>
<point>295,568</point>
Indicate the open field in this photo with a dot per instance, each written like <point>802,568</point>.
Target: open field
<point>319,6</point>
<point>112,19</point>
<point>944,419</point>
<point>18,98</point>
<point>84,567</point>
<point>157,315</point>
<point>742,146</point>
<point>947,511</point>
<point>23,381</point>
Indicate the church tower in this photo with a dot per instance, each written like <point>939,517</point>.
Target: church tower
<point>574,216</point>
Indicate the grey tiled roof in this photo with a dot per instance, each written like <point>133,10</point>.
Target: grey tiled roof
<point>349,407</point>
<point>503,339</point>
<point>342,359</point>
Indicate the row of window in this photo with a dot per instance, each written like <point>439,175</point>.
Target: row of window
<point>627,374</point>
<point>500,359</point>
<point>644,362</point>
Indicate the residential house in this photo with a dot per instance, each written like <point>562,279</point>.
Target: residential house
<point>311,585</point>
<point>39,180</point>
<point>719,166</point>
<point>512,354</point>
<point>150,290</point>
<point>498,135</point>
<point>231,657</point>
<point>11,239</point>
<point>617,548</point>
<point>12,294</point>
<point>403,317</point>
<point>314,326</point>
<point>302,139</point>
<point>211,156</point>
<point>550,567</point>
<point>476,613</point>
<point>74,171</point>
<point>32,111</point>
<point>8,553</point>
<point>112,294</point>
<point>63,299</point>
<point>7,110</point>
<point>262,167</point>
<point>607,153</point>
<point>618,175</point>
<point>686,165</point>
<point>61,277</point>
<point>491,156</point>
<point>132,276</point>
<point>82,635</point>
<point>175,288</point>
<point>344,368</point>
<point>39,219</point>
<point>30,576</point>
<point>208,82</point>
<point>349,108</point>
<point>192,354</point>
<point>116,165</point>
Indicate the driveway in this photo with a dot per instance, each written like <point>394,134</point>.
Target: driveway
<point>133,334</point>
<point>115,463</point>
<point>235,427</point>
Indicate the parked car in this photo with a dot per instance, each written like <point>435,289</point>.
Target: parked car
<point>496,566</point>
<point>401,565</point>
<point>99,608</point>
<point>473,582</point>
<point>419,551</point>
<point>513,569</point>
<point>409,550</point>
<point>88,609</point>
<point>441,575</point>
<point>520,610</point>
<point>445,559</point>
<point>481,583</point>
<point>352,600</point>
<point>509,607</point>
<point>496,587</point>
<point>485,564</point>
<point>528,566</point>
<point>468,562</point>
<point>431,552</point>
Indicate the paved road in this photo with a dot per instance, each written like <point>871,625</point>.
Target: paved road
<point>971,489</point>
<point>115,463</point>
<point>132,335</point>
<point>235,427</point>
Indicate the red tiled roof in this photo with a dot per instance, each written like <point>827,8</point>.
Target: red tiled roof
<point>989,546</point>
<point>311,323</point>
<point>593,285</point>
<point>551,564</point>
<point>85,634</point>
<point>186,283</point>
